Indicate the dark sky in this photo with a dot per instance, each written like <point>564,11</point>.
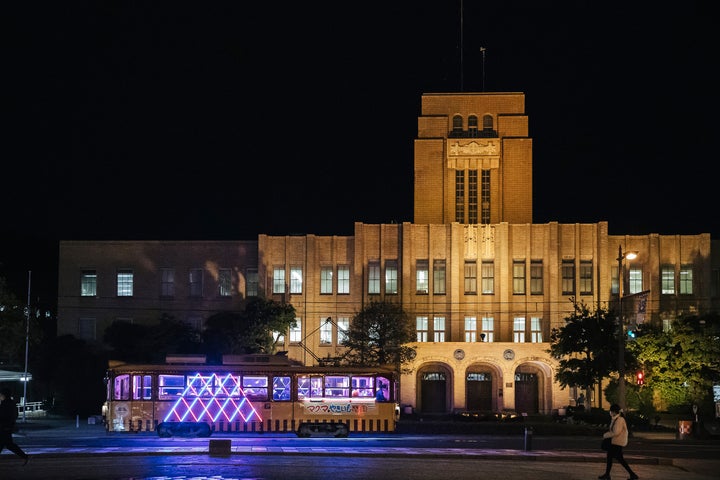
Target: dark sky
<point>223,120</point>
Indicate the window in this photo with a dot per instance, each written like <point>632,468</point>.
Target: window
<point>614,280</point>
<point>473,125</point>
<point>686,280</point>
<point>439,277</point>
<point>457,127</point>
<point>255,387</point>
<point>125,283</point>
<point>470,329</point>
<point>343,324</point>
<point>460,196</point>
<point>88,283</point>
<point>196,284</point>
<point>635,279</point>
<point>667,280</point>
<point>326,280</point>
<point>343,279</point>
<point>170,387</point>
<point>567,272</point>
<point>536,330</point>
<point>391,277</point>
<point>251,282</point>
<point>296,331</point>
<point>536,277</point>
<point>519,277</point>
<point>142,387</point>
<point>519,329</point>
<point>487,329</point>
<point>225,282</point>
<point>438,329</point>
<point>296,280</point>
<point>167,282</point>
<point>422,277</point>
<point>421,327</point>
<point>279,280</point>
<point>279,338</point>
<point>488,277</point>
<point>487,122</point>
<point>586,277</point>
<point>325,332</point>
<point>281,388</point>
<point>485,193</point>
<point>470,277</point>
<point>87,328</point>
<point>121,388</point>
<point>472,197</point>
<point>373,278</point>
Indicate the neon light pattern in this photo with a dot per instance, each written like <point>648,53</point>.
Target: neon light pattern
<point>208,398</point>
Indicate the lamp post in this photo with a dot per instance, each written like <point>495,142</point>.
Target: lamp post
<point>27,343</point>
<point>621,325</point>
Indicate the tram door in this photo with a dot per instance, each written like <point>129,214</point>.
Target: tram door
<point>478,389</point>
<point>526,393</point>
<point>433,392</point>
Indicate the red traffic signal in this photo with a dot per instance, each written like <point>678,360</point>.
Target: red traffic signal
<point>640,376</point>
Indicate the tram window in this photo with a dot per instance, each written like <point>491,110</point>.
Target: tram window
<point>281,388</point>
<point>303,387</point>
<point>201,386</point>
<point>170,386</point>
<point>255,388</point>
<point>362,386</point>
<point>122,387</point>
<point>337,386</point>
<point>142,387</point>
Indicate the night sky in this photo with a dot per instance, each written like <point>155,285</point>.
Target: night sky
<point>224,120</point>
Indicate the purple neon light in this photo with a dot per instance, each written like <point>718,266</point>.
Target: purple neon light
<point>200,409</point>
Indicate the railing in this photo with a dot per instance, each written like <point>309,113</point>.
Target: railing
<point>31,409</point>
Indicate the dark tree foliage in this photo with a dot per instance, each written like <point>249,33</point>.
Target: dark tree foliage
<point>586,347</point>
<point>378,336</point>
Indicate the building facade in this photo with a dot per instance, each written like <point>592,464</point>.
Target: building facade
<point>483,283</point>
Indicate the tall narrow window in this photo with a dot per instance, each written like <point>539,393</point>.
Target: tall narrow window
<point>391,277</point>
<point>225,282</point>
<point>667,280</point>
<point>296,331</point>
<point>488,277</point>
<point>167,282</point>
<point>195,282</point>
<point>485,196</point>
<point>439,277</point>
<point>251,282</point>
<point>421,328</point>
<point>473,126</point>
<point>568,277</point>
<point>457,127</point>
<point>614,280</point>
<point>296,280</point>
<point>536,330</point>
<point>373,278</point>
<point>470,329</point>
<point>519,329</point>
<point>460,196</point>
<point>279,280</point>
<point>519,277</point>
<point>472,197</point>
<point>635,280</point>
<point>586,277</point>
<point>88,283</point>
<point>470,277</point>
<point>536,277</point>
<point>326,280</point>
<point>343,279</point>
<point>438,329</point>
<point>325,332</point>
<point>87,328</point>
<point>686,280</point>
<point>487,331</point>
<point>422,277</point>
<point>125,282</point>
<point>343,324</point>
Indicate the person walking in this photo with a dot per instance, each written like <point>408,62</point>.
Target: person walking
<point>8,417</point>
<point>618,433</point>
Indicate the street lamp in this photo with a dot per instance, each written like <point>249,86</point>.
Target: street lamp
<point>621,325</point>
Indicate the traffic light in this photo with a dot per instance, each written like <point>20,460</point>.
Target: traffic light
<point>640,376</point>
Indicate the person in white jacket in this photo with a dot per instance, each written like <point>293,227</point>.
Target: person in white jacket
<point>618,432</point>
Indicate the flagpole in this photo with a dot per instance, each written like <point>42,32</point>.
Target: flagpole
<point>27,342</point>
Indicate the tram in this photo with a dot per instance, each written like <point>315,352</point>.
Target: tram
<point>249,393</point>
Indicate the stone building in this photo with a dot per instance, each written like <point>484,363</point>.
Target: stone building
<point>484,283</point>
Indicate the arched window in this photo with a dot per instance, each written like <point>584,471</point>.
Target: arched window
<point>473,125</point>
<point>457,126</point>
<point>487,122</point>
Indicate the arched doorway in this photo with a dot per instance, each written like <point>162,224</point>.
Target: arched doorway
<point>526,392</point>
<point>434,383</point>
<point>479,391</point>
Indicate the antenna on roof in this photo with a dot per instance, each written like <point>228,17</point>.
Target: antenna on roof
<point>482,50</point>
<point>462,73</point>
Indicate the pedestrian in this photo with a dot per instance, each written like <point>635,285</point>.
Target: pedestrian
<point>580,402</point>
<point>8,417</point>
<point>618,433</point>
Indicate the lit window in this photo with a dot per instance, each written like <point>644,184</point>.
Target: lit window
<point>124,283</point>
<point>88,283</point>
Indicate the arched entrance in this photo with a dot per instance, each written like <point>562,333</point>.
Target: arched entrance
<point>434,383</point>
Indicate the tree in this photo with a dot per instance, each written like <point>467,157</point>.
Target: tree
<point>586,347</point>
<point>254,330</point>
<point>377,336</point>
<point>13,325</point>
<point>681,364</point>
